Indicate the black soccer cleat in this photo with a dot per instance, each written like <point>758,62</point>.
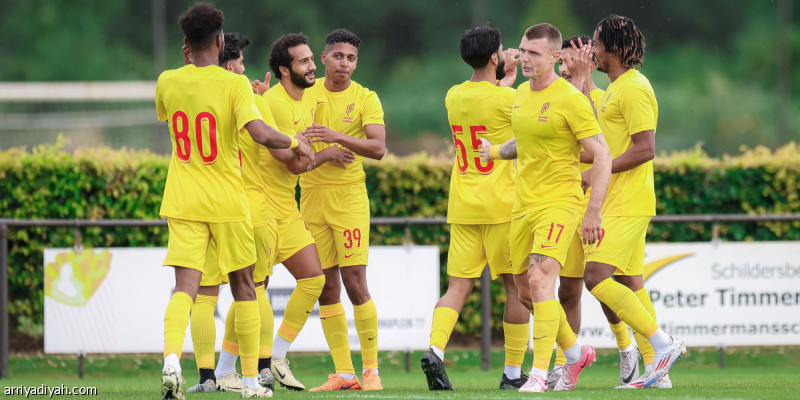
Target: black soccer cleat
<point>433,367</point>
<point>514,384</point>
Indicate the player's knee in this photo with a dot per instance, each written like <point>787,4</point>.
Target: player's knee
<point>525,299</point>
<point>312,287</point>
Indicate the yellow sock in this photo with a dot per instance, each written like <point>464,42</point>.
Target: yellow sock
<point>204,330</point>
<point>300,305</point>
<point>645,348</point>
<point>334,325</point>
<point>625,303</point>
<point>444,320</point>
<point>561,359</point>
<point>230,342</point>
<point>545,328</point>
<point>366,316</point>
<point>267,322</point>
<point>176,318</point>
<point>515,343</point>
<point>620,332</point>
<point>565,337</point>
<point>248,328</point>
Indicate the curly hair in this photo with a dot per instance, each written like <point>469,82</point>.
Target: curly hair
<point>621,37</point>
<point>279,55</point>
<point>234,43</point>
<point>201,23</point>
<point>478,45</point>
<point>342,36</point>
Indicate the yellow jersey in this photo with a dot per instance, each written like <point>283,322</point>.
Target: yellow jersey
<point>248,158</point>
<point>480,192</point>
<point>206,109</point>
<point>629,106</point>
<point>548,124</point>
<point>291,117</point>
<point>347,112</point>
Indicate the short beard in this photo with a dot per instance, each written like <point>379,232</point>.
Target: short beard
<point>501,69</point>
<point>300,80</point>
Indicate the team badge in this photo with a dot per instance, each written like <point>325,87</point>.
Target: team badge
<point>542,117</point>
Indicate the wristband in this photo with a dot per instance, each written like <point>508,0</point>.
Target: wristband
<point>494,153</point>
<point>294,144</point>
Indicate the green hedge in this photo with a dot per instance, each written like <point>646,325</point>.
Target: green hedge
<point>104,183</point>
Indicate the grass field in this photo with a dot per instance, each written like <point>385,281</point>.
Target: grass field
<point>772,373</point>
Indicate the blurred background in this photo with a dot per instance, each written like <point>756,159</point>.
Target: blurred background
<point>724,72</point>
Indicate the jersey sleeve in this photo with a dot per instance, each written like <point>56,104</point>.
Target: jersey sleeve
<point>373,111</point>
<point>283,115</point>
<point>580,117</point>
<point>637,104</point>
<point>266,113</point>
<point>509,95</point>
<point>244,105</point>
<point>160,108</point>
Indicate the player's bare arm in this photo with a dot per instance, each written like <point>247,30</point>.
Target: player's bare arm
<point>374,146</point>
<point>601,176</point>
<point>336,155</point>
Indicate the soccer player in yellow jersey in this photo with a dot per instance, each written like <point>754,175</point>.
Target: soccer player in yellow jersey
<point>334,202</point>
<point>292,62</point>
<point>204,196</point>
<point>628,113</point>
<point>479,208</point>
<point>551,120</point>
<point>265,235</point>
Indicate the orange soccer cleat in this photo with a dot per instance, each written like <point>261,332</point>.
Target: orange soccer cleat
<point>371,381</point>
<point>336,382</point>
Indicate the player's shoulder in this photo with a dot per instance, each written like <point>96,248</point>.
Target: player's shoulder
<point>361,90</point>
<point>637,82</point>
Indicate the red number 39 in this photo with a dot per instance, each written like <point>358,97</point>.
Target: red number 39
<point>349,236</point>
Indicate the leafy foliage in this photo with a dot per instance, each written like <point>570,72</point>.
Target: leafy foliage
<point>103,183</point>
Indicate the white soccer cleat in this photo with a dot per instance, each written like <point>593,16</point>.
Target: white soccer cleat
<point>628,366</point>
<point>172,384</point>
<point>534,384</point>
<point>663,383</point>
<point>661,366</point>
<point>554,375</point>
<point>230,383</point>
<point>282,373</point>
<point>259,392</point>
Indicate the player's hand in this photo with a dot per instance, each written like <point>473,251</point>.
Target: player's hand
<point>586,180</point>
<point>511,61</point>
<point>321,133</point>
<point>342,156</point>
<point>259,87</point>
<point>592,229</point>
<point>304,150</point>
<point>582,63</point>
<point>187,54</point>
<point>484,150</point>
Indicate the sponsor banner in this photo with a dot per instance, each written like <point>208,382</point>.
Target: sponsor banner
<point>734,294</point>
<point>113,300</point>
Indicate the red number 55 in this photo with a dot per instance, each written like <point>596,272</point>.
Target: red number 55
<point>461,149</point>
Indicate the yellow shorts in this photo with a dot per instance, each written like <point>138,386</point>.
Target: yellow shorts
<point>471,246</point>
<point>339,220</point>
<point>547,232</point>
<point>622,244</point>
<point>265,240</point>
<point>189,240</point>
<point>576,259</point>
<point>293,236</point>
